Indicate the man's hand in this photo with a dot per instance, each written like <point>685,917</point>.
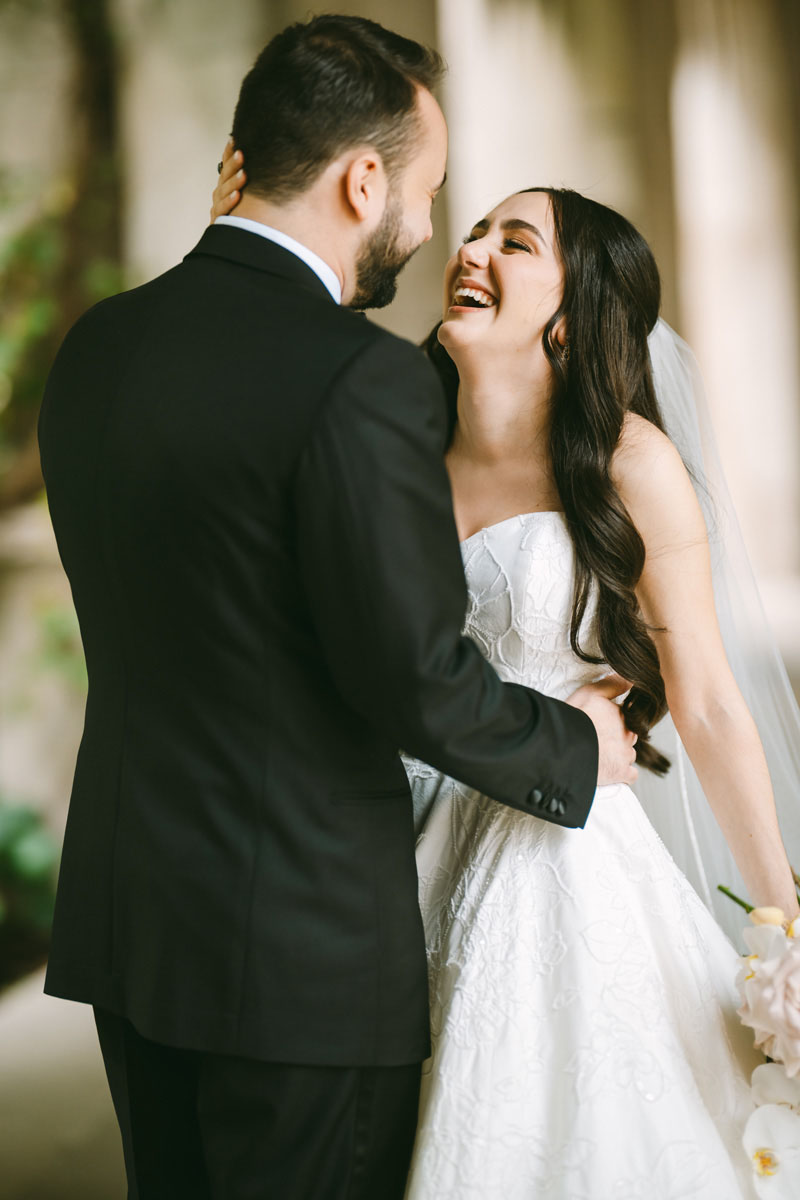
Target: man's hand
<point>617,753</point>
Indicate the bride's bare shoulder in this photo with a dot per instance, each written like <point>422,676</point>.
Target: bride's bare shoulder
<point>649,474</point>
<point>644,456</point>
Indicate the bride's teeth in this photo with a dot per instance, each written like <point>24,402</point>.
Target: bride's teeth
<point>482,298</point>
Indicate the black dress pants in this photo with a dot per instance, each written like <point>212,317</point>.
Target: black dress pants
<point>201,1126</point>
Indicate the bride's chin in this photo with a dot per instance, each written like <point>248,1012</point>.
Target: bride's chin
<point>453,333</point>
<point>458,341</point>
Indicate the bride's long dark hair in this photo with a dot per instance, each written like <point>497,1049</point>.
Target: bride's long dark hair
<point>610,303</point>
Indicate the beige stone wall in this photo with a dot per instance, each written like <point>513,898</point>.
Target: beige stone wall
<point>183,63</point>
<point>35,73</point>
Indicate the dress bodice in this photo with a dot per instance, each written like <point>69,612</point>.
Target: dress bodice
<point>520,578</point>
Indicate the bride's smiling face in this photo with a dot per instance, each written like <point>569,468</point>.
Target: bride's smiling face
<point>505,282</point>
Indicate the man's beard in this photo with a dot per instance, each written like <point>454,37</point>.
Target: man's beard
<point>381,260</point>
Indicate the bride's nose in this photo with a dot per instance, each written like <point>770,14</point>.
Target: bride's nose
<point>474,253</point>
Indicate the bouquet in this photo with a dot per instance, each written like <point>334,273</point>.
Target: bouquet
<point>769,984</point>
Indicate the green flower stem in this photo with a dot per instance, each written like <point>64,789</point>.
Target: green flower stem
<point>731,896</point>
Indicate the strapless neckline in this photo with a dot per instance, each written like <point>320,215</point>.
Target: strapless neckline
<point>542,512</point>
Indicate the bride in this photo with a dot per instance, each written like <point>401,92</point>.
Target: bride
<point>586,1043</point>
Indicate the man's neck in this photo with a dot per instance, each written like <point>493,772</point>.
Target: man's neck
<point>296,222</point>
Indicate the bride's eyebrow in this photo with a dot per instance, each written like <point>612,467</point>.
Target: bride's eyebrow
<point>518,223</point>
<point>512,223</point>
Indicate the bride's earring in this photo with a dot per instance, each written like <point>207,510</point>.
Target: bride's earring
<point>565,353</point>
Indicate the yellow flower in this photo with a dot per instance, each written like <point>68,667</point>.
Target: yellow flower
<point>767,916</point>
<point>765,1162</point>
<point>772,1142</point>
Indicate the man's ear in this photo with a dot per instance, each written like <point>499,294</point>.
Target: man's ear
<point>365,186</point>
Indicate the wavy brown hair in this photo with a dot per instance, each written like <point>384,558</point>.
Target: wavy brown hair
<point>610,303</point>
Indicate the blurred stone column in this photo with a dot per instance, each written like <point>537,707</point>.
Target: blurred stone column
<point>735,143</point>
<point>183,62</point>
<point>36,66</point>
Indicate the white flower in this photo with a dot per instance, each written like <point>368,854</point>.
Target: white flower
<point>771,1085</point>
<point>772,1142</point>
<point>769,984</point>
<point>765,941</point>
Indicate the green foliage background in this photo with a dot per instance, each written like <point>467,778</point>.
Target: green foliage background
<point>63,259</point>
<point>28,861</point>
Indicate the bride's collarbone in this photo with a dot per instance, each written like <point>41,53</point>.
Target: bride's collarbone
<point>475,513</point>
<point>483,498</point>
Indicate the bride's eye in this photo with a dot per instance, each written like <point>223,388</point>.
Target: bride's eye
<point>517,245</point>
<point>471,237</point>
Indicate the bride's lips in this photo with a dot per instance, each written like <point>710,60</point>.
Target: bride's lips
<point>486,300</point>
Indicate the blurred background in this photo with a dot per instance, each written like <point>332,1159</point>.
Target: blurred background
<point>683,114</point>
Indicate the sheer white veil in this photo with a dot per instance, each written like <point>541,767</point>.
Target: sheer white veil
<point>676,804</point>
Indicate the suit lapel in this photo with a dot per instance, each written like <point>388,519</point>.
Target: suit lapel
<point>258,253</point>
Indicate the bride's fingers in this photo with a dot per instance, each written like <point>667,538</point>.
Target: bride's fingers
<point>228,192</point>
<point>227,195</point>
<point>227,151</point>
<point>231,163</point>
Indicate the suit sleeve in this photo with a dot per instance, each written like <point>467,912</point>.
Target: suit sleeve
<point>383,575</point>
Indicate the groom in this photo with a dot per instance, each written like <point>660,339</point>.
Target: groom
<point>247,486</point>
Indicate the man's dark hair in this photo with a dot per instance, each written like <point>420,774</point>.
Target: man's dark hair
<point>322,86</point>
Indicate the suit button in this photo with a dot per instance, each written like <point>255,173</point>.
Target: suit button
<point>536,797</point>
<point>562,808</point>
<point>555,805</point>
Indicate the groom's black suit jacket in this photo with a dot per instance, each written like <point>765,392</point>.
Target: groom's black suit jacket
<point>247,488</point>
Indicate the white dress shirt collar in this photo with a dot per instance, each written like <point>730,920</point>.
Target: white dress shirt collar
<point>312,260</point>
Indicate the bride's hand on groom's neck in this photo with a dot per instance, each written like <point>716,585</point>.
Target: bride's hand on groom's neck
<point>231,180</point>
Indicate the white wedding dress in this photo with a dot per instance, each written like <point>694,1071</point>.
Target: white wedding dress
<point>586,1043</point>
